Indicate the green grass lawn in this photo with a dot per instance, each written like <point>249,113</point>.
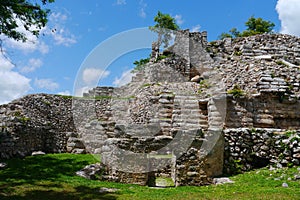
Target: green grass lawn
<point>53,176</point>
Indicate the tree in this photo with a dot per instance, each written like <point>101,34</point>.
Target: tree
<point>233,33</point>
<point>17,13</point>
<point>254,26</point>
<point>163,27</point>
<point>257,26</point>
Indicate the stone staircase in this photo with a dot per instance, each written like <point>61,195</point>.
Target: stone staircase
<point>187,114</point>
<point>164,115</point>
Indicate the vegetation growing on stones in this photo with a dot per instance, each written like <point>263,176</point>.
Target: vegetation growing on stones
<point>236,91</point>
<point>203,85</point>
<point>164,26</point>
<point>254,26</point>
<point>140,64</point>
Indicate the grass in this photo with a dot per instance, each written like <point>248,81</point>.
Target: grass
<point>53,176</point>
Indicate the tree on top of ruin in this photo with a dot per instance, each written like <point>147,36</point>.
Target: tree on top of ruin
<point>254,26</point>
<point>164,26</point>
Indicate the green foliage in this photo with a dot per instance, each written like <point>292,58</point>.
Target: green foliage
<point>20,117</point>
<point>146,85</point>
<point>273,75</point>
<point>279,62</point>
<point>32,17</point>
<point>140,64</point>
<point>47,103</point>
<point>24,120</point>
<point>236,91</point>
<point>257,26</point>
<point>224,35</point>
<point>254,26</point>
<point>164,26</point>
<point>161,57</point>
<point>17,113</point>
<point>65,96</point>
<point>253,130</point>
<point>237,53</point>
<point>235,32</point>
<point>290,132</point>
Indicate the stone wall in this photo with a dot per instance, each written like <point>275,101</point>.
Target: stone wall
<point>151,122</point>
<point>267,110</point>
<point>35,123</point>
<point>246,148</point>
<point>191,47</point>
<point>258,63</point>
<point>277,45</point>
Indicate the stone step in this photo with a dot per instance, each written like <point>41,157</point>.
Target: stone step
<point>186,97</point>
<point>165,120</point>
<point>215,124</point>
<point>180,124</point>
<point>184,119</point>
<point>201,121</point>
<point>187,101</point>
<point>217,119</point>
<point>168,96</point>
<point>165,124</point>
<point>188,107</point>
<point>165,115</point>
<point>165,101</point>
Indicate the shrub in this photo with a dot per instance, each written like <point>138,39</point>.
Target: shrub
<point>236,91</point>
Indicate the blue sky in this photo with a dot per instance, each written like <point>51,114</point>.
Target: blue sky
<point>52,63</point>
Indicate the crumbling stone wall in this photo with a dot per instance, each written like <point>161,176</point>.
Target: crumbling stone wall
<point>191,48</point>
<point>277,45</point>
<point>248,148</point>
<point>267,110</point>
<point>35,123</point>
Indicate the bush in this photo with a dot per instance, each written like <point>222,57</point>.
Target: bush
<point>236,91</point>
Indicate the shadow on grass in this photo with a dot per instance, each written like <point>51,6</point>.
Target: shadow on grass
<point>32,169</point>
<point>45,177</point>
<point>81,193</point>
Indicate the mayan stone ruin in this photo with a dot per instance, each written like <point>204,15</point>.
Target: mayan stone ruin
<point>205,109</point>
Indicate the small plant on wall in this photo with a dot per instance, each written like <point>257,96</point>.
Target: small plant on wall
<point>236,91</point>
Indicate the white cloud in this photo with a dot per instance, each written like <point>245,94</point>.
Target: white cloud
<point>120,2</point>
<point>12,84</point>
<point>67,93</point>
<point>92,75</point>
<point>79,91</point>
<point>43,48</point>
<point>61,37</point>
<point>32,65</point>
<point>124,79</point>
<point>47,84</point>
<point>57,16</point>
<point>142,12</point>
<point>179,19</point>
<point>32,44</point>
<point>196,28</point>
<point>60,34</point>
<point>289,15</point>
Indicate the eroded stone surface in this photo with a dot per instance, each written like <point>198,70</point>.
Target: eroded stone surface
<point>161,113</point>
